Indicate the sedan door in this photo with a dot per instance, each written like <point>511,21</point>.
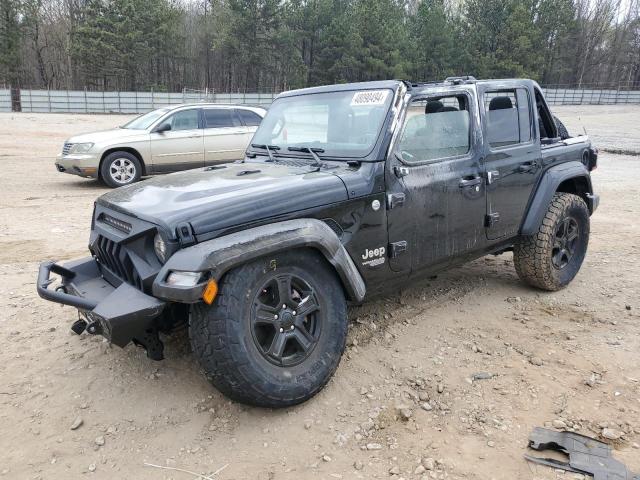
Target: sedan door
<point>225,138</point>
<point>180,147</point>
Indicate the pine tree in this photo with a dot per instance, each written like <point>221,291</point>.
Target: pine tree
<point>9,42</point>
<point>434,52</point>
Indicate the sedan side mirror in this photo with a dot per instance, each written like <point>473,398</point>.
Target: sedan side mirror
<point>164,127</point>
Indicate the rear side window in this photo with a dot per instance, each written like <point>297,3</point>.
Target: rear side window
<point>508,117</point>
<point>250,119</point>
<point>220,118</point>
<point>435,129</point>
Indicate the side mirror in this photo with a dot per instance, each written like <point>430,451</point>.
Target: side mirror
<point>164,127</point>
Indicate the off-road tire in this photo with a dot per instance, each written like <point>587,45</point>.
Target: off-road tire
<point>124,157</point>
<point>222,334</point>
<point>563,133</point>
<point>533,255</point>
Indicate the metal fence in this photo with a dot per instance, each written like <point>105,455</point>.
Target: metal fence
<point>590,96</point>
<point>81,101</point>
<point>5,100</point>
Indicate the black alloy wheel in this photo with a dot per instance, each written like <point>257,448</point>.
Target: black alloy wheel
<point>565,242</point>
<point>551,257</point>
<point>276,330</point>
<point>286,320</point>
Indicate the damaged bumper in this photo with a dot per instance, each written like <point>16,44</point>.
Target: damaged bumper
<point>121,314</point>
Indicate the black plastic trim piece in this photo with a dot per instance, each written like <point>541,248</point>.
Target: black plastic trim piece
<point>547,187</point>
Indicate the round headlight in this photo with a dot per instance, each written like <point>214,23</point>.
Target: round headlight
<point>160,247</point>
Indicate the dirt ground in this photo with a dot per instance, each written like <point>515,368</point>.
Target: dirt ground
<point>402,403</point>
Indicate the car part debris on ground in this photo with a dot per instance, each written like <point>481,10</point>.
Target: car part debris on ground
<point>587,455</point>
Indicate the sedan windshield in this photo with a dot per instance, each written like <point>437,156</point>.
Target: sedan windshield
<point>342,124</point>
<point>145,121</point>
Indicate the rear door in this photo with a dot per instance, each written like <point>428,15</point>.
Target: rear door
<point>225,137</point>
<point>512,155</point>
<point>181,147</point>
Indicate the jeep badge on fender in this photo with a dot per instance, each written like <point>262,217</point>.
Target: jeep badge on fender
<point>391,182</point>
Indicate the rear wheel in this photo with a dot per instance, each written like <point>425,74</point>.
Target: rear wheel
<point>119,169</point>
<point>276,331</point>
<point>551,258</point>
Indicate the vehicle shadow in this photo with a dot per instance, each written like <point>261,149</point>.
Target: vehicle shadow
<point>83,184</point>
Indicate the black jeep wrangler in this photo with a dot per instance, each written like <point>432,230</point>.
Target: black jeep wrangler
<point>347,191</point>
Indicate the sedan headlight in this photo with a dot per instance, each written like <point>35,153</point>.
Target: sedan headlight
<point>80,147</point>
<point>160,247</point>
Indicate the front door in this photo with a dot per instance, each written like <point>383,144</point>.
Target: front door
<point>181,147</point>
<point>225,137</point>
<point>512,157</point>
<point>436,191</point>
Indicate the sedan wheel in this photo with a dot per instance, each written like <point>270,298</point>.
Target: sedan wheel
<point>122,171</point>
<point>120,168</point>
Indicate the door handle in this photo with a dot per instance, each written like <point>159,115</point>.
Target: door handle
<point>492,175</point>
<point>527,166</point>
<point>470,181</point>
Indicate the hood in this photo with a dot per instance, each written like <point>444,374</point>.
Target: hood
<point>223,196</point>
<point>106,135</point>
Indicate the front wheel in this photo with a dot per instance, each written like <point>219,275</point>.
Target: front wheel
<point>120,168</point>
<point>276,331</point>
<point>550,258</point>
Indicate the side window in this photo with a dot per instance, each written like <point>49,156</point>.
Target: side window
<point>183,120</point>
<point>220,118</point>
<point>250,119</point>
<point>508,117</point>
<point>436,128</point>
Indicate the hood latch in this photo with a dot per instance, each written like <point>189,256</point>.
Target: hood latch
<point>185,234</point>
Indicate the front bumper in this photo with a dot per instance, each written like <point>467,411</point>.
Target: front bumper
<point>121,314</point>
<point>84,165</point>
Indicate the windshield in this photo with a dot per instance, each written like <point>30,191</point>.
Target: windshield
<point>145,121</point>
<point>342,124</point>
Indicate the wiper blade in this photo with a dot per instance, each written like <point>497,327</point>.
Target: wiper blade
<point>312,150</point>
<point>268,148</point>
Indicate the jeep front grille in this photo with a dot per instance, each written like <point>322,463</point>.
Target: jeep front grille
<point>66,147</point>
<point>115,257</point>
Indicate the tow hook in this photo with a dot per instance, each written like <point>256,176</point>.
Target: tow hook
<point>79,326</point>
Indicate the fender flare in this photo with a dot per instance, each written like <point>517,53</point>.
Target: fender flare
<point>221,254</point>
<point>547,187</point>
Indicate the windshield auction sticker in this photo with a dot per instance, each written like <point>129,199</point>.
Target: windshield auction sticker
<point>369,97</point>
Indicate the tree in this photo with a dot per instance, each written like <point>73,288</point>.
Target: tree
<point>248,45</point>
<point>337,54</point>
<point>382,30</point>
<point>434,51</point>
<point>9,42</point>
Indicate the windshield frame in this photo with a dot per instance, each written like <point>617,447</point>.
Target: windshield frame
<point>371,155</point>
